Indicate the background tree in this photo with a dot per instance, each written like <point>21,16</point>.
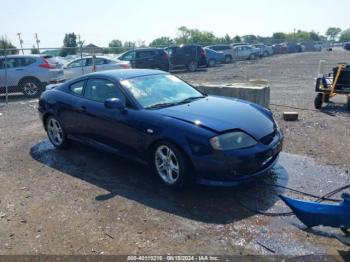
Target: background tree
<point>228,39</point>
<point>314,36</point>
<point>163,41</point>
<point>70,41</point>
<point>34,50</point>
<point>237,39</point>
<point>129,45</point>
<point>332,33</point>
<point>6,44</point>
<point>345,35</point>
<point>141,43</point>
<point>251,39</point>
<point>279,37</point>
<point>115,46</point>
<point>195,36</point>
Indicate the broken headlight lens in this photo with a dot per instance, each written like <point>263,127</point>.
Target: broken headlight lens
<point>232,140</point>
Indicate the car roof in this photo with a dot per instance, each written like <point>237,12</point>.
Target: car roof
<point>147,49</point>
<point>122,74</point>
<point>21,56</point>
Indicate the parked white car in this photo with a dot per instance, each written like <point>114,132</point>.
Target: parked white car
<point>86,65</point>
<point>246,52</point>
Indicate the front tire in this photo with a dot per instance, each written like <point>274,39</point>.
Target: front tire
<point>56,133</point>
<point>31,87</point>
<point>318,101</point>
<point>211,62</point>
<point>171,165</point>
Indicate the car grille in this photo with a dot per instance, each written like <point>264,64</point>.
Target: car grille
<point>254,167</point>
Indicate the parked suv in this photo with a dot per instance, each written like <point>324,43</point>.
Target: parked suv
<point>228,51</point>
<point>188,56</point>
<point>347,46</point>
<point>152,58</point>
<point>28,74</point>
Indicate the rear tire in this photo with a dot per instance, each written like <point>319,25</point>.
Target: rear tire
<point>171,165</point>
<point>192,66</point>
<point>318,101</point>
<point>252,57</point>
<point>228,59</point>
<point>31,87</point>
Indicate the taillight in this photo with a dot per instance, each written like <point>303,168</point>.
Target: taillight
<point>166,55</point>
<point>47,65</point>
<point>202,53</point>
<point>125,66</point>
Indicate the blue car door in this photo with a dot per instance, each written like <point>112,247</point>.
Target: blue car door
<point>109,127</point>
<point>69,108</point>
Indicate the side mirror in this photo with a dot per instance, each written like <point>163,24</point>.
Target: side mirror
<point>114,103</point>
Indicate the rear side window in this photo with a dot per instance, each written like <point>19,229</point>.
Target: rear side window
<point>13,62</point>
<point>77,88</point>
<point>77,63</point>
<point>144,54</point>
<point>27,61</point>
<point>1,63</point>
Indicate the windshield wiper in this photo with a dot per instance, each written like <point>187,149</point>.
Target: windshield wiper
<point>160,105</point>
<point>190,99</point>
<point>166,104</point>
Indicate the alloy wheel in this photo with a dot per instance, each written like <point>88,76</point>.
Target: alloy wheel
<point>30,89</point>
<point>167,164</point>
<point>55,132</point>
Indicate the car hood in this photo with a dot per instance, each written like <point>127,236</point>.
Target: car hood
<point>220,114</point>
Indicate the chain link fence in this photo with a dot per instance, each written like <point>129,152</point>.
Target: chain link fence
<point>18,76</point>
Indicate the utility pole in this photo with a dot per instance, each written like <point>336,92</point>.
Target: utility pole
<point>79,41</point>
<point>294,33</point>
<point>37,40</point>
<point>20,42</point>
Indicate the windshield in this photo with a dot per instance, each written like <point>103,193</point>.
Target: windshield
<point>160,90</point>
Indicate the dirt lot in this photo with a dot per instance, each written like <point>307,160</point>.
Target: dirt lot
<point>80,201</point>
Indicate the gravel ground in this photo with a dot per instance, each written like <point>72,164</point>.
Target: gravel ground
<point>80,201</point>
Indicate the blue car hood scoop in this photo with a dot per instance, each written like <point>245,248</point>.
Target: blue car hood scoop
<point>223,114</point>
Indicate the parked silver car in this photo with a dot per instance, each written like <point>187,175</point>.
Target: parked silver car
<point>246,52</point>
<point>86,65</point>
<point>228,51</point>
<point>28,74</point>
<point>264,50</point>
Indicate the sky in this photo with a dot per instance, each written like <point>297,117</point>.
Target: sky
<point>100,21</point>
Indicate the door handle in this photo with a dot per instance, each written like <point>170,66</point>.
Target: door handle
<point>19,69</point>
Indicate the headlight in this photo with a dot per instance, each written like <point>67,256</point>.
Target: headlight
<point>277,126</point>
<point>232,140</point>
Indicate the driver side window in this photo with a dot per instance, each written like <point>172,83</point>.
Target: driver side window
<point>101,89</point>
